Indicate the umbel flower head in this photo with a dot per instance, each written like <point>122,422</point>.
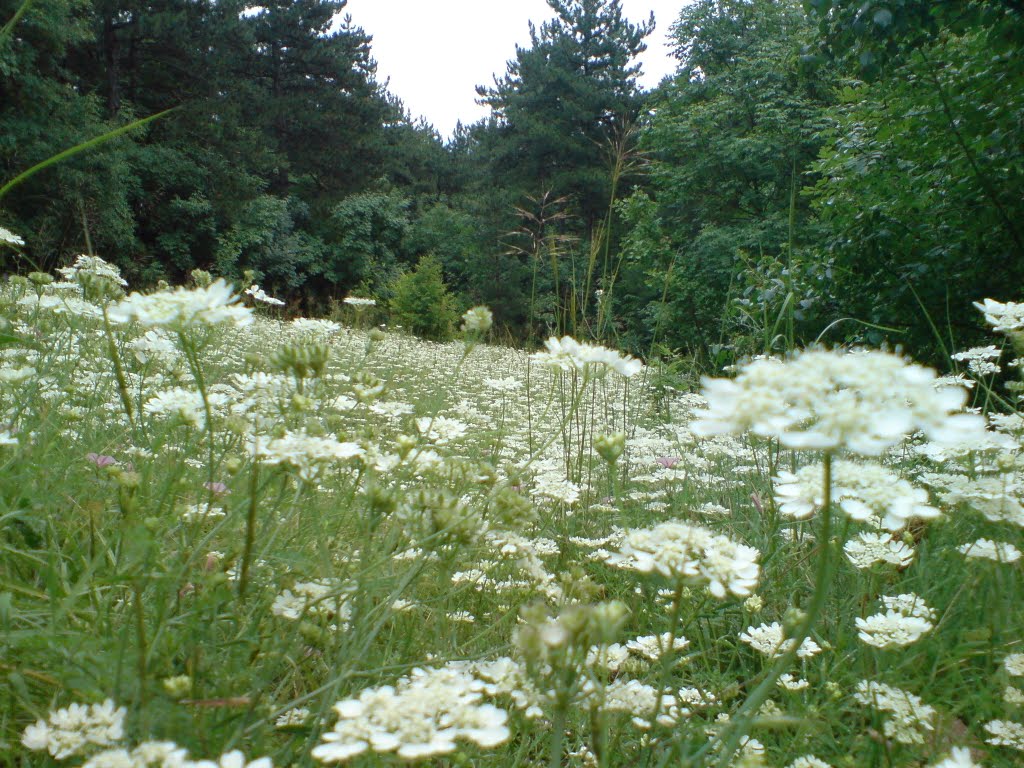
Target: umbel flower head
<point>183,308</point>
<point>861,401</point>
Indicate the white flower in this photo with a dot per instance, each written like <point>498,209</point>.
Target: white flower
<point>358,303</point>
<point>910,715</point>
<point>960,757</point>
<point>891,629</point>
<point>987,549</point>
<point>306,453</point>
<point>693,554</point>
<point>233,759</point>
<point>864,491</point>
<point>1005,733</point>
<point>808,761</point>
<point>866,549</point>
<point>477,320</point>
<point>9,238</point>
<point>1002,317</point>
<point>861,401</point>
<point>1014,664</point>
<point>71,730</point>
<point>183,308</point>
<point>567,354</point>
<point>653,647</point>
<point>769,639</point>
<point>980,360</point>
<point>258,294</point>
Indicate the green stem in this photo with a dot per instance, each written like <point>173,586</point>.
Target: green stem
<point>250,531</point>
<point>122,382</point>
<point>740,723</point>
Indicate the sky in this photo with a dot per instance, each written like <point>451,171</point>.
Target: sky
<point>435,52</point>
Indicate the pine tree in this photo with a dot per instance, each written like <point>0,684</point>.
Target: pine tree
<point>565,99</point>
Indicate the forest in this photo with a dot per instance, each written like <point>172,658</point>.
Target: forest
<point>807,163</point>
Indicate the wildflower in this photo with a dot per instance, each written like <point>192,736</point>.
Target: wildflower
<point>653,647</point>
<point>1005,733</point>
<point>306,453</point>
<point>100,460</point>
<point>440,429</point>
<point>986,549</point>
<point>358,303</point>
<point>866,492</point>
<point>1013,695</point>
<point>861,401</point>
<point>808,761</point>
<point>149,754</point>
<point>910,715</point>
<point>9,238</point>
<point>866,549</point>
<point>1006,317</point>
<point>477,320</point>
<point>769,639</point>
<point>567,354</point>
<point>636,699</point>
<point>233,759</point>
<point>293,718</point>
<point>70,731</point>
<point>793,684</point>
<point>182,405</point>
<point>980,360</point>
<point>419,717</point>
<point>959,757</point>
<point>891,629</point>
<point>313,326</point>
<point>691,553</point>
<point>183,308</point>
<point>1014,664</point>
<point>258,294</point>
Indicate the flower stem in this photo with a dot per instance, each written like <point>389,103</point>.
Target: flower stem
<point>740,723</point>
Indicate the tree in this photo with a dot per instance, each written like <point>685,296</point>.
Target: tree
<point>731,139</point>
<point>566,98</point>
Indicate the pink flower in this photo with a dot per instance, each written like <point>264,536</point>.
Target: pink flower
<point>668,461</point>
<point>216,488</point>
<point>100,460</point>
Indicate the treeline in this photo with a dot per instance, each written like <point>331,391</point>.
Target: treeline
<point>837,167</point>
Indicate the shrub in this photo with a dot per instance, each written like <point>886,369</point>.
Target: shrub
<point>422,303</point>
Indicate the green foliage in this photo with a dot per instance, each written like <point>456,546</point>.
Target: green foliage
<point>421,302</point>
<point>731,139</point>
<point>921,187</point>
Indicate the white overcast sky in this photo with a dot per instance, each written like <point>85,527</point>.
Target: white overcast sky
<point>435,52</point>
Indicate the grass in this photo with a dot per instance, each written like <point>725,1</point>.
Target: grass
<point>430,551</point>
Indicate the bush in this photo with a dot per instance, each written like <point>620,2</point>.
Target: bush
<point>422,303</point>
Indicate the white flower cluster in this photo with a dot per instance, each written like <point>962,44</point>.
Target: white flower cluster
<point>95,266</point>
<point>183,405</point>
<point>314,326</point>
<point>693,554</point>
<point>861,401</point>
<point>167,754</point>
<point>1005,733</point>
<point>910,715</point>
<point>987,549</point>
<point>905,620</point>
<point>258,294</point>
<point>9,238</point>
<point>358,303</point>
<point>326,597</point>
<point>866,548</point>
<point>567,354</point>
<point>865,492</point>
<point>653,647</point>
<point>640,701</point>
<point>997,497</point>
<point>183,308</point>
<point>959,757</point>
<point>421,716</point>
<point>306,453</point>
<point>769,639</point>
<point>71,730</point>
<point>1008,317</point>
<point>980,360</point>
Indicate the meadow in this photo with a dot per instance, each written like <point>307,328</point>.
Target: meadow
<point>231,539</point>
